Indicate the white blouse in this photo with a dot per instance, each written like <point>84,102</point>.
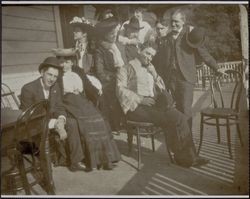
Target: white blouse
<point>72,83</point>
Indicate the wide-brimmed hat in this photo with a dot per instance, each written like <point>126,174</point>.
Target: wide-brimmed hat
<point>196,37</point>
<point>105,26</point>
<point>51,62</point>
<point>133,24</point>
<point>83,23</point>
<point>65,53</point>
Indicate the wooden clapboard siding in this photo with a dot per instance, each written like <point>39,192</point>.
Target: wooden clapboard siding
<point>27,46</point>
<point>13,59</point>
<point>15,81</point>
<point>11,71</point>
<point>28,35</point>
<point>28,12</point>
<point>25,23</point>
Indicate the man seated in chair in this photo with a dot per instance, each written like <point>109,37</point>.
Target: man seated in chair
<point>46,87</point>
<point>143,98</point>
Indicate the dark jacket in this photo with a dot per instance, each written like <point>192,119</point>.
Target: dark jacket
<point>186,57</point>
<point>33,92</point>
<point>104,64</point>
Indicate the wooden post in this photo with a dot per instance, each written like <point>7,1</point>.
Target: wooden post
<point>244,45</point>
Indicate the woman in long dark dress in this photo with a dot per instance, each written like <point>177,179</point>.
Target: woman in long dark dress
<point>100,148</point>
<point>108,57</point>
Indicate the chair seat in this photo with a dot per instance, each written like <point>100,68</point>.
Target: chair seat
<point>140,124</point>
<point>219,112</point>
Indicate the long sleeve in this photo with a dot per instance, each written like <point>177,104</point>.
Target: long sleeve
<point>90,90</point>
<point>26,98</point>
<point>207,58</point>
<point>99,67</point>
<point>128,99</point>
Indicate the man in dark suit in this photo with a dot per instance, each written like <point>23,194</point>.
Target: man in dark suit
<point>182,46</point>
<point>46,87</point>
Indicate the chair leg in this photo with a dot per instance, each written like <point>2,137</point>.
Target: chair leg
<point>239,132</point>
<point>130,140</point>
<point>201,134</point>
<point>138,147</point>
<point>153,142</point>
<point>24,178</point>
<point>229,139</point>
<point>10,185</point>
<point>218,130</point>
<point>48,170</point>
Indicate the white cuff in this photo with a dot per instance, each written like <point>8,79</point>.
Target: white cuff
<point>52,123</point>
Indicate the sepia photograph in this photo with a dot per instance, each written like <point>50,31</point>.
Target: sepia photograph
<point>125,99</point>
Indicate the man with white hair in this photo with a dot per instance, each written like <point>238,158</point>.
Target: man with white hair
<point>177,61</point>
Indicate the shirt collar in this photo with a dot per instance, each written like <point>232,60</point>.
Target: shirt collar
<point>45,91</point>
<point>177,34</point>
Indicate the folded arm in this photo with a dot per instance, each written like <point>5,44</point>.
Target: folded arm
<point>128,99</point>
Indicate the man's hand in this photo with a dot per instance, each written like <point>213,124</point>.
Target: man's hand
<point>148,101</point>
<point>59,127</point>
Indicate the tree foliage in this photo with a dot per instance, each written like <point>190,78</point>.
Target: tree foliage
<point>222,26</point>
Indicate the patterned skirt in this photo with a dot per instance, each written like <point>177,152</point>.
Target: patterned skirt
<point>98,143</point>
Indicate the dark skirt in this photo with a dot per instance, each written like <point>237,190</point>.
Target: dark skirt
<point>100,147</point>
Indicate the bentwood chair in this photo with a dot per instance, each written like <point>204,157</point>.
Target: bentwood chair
<point>30,156</point>
<point>142,129</point>
<point>8,98</point>
<point>214,116</point>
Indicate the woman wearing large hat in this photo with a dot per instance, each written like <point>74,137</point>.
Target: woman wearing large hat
<point>109,57</point>
<point>97,142</point>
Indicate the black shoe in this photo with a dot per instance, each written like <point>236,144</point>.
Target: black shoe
<point>108,167</point>
<point>88,169</point>
<point>199,161</point>
<point>78,167</point>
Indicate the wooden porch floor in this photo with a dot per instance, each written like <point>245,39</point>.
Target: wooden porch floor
<point>221,176</point>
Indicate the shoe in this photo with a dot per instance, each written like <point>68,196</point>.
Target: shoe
<point>199,161</point>
<point>88,169</point>
<point>108,167</point>
<point>78,167</point>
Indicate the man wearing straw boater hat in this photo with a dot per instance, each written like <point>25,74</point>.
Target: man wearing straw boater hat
<point>177,57</point>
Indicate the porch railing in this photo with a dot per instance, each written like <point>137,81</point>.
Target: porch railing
<point>203,71</point>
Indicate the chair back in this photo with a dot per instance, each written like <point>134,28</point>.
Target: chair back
<point>32,138</point>
<point>8,98</point>
<point>219,92</point>
<point>32,129</point>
